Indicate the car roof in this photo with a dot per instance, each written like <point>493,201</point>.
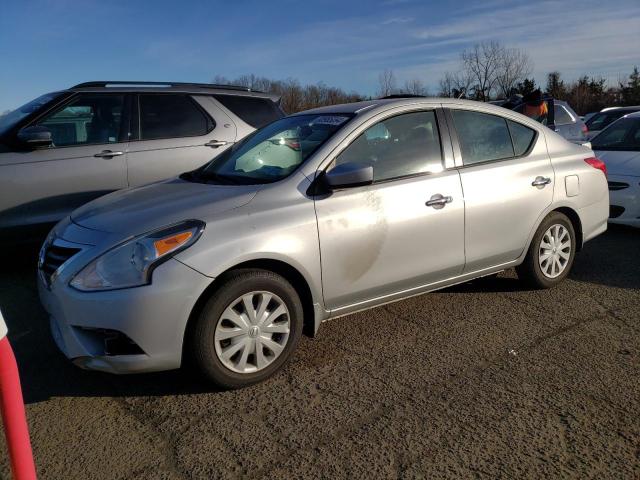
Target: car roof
<point>633,108</point>
<point>386,103</point>
<point>632,115</point>
<point>180,87</point>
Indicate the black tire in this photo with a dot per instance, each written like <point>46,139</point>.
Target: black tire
<point>237,283</point>
<point>530,272</point>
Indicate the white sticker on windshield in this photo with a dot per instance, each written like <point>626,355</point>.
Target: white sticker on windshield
<point>329,120</point>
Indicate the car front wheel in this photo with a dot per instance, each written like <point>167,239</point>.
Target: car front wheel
<point>248,328</point>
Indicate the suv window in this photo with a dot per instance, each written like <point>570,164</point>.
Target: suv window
<point>562,116</point>
<point>521,136</point>
<point>254,111</point>
<point>90,118</point>
<point>398,146</point>
<point>483,137</point>
<point>171,116</point>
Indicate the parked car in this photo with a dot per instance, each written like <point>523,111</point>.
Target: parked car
<point>65,148</point>
<point>618,145</point>
<point>226,264</point>
<point>557,115</point>
<point>607,116</point>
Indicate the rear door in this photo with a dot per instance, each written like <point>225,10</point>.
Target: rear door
<point>175,133</point>
<point>507,179</point>
<point>86,160</point>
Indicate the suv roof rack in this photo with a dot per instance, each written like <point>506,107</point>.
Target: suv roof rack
<point>121,83</point>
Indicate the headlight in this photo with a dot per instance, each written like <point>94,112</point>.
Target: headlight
<point>131,263</point>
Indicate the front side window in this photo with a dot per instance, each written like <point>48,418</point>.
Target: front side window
<point>171,116</point>
<point>399,146</point>
<point>483,137</point>
<point>90,118</point>
<point>273,152</point>
<point>621,135</point>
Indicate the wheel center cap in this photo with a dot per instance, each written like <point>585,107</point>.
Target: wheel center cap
<point>254,331</point>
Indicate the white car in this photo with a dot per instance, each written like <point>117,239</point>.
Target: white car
<point>618,146</point>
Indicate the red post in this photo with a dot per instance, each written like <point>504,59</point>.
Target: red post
<point>13,415</point>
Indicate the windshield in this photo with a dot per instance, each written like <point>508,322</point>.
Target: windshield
<point>273,152</point>
<point>621,135</point>
<point>10,119</point>
<point>601,120</point>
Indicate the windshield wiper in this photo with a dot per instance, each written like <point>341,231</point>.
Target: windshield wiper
<point>202,176</point>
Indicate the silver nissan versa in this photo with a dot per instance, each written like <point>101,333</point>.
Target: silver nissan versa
<point>315,216</point>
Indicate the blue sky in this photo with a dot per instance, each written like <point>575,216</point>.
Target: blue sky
<point>52,44</point>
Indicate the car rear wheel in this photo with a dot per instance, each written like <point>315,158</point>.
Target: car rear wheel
<point>551,253</point>
<point>248,329</point>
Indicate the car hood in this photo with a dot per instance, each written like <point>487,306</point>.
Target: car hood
<point>620,163</point>
<point>138,210</point>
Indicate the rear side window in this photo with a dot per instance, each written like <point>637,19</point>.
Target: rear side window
<point>254,111</point>
<point>521,136</point>
<point>171,116</point>
<point>483,137</point>
<point>561,115</point>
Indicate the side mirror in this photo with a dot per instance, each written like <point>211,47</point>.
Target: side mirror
<point>35,136</point>
<point>349,174</point>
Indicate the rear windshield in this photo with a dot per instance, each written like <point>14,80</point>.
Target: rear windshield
<point>257,112</point>
<point>603,119</point>
<point>271,153</point>
<point>621,135</point>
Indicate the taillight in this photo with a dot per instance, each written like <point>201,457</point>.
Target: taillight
<point>597,163</point>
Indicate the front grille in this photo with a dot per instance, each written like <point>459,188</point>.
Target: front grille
<point>615,211</point>
<point>618,185</point>
<point>54,256</point>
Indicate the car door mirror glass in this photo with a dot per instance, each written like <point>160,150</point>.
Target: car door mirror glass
<point>349,174</point>
<point>35,136</point>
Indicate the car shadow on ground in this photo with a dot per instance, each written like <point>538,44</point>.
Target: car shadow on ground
<point>610,260</point>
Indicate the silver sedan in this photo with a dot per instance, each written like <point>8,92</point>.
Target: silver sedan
<point>315,216</point>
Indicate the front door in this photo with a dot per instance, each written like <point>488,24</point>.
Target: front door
<point>86,160</point>
<point>394,235</point>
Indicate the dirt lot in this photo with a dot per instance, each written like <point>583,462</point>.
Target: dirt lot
<point>481,380</point>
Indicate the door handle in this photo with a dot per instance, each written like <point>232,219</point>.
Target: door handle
<point>438,201</point>
<point>215,143</point>
<point>541,182</point>
<point>108,154</point>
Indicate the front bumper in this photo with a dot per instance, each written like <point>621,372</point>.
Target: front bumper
<point>153,317</point>
<point>625,202</point>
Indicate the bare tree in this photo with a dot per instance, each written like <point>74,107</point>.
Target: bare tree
<point>514,65</point>
<point>387,83</point>
<point>455,84</point>
<point>415,87</point>
<point>482,63</point>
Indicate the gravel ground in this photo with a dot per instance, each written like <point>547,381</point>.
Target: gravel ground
<point>481,380</point>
